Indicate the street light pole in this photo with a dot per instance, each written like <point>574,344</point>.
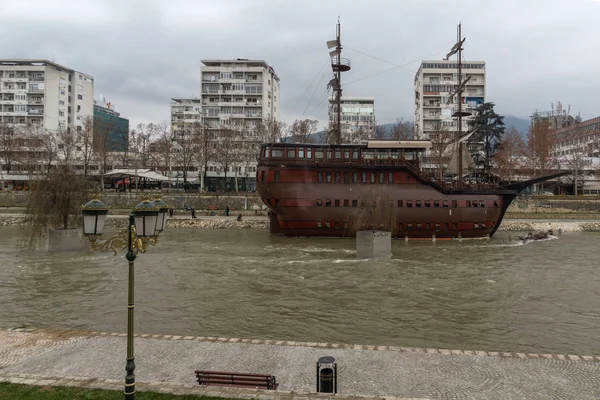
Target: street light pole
<point>146,222</point>
<point>130,365</point>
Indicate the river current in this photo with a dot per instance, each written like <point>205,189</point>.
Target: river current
<point>500,295</point>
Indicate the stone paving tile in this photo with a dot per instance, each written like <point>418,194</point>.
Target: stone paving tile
<point>409,372</point>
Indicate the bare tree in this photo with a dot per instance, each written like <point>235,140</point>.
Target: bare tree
<point>376,211</point>
<point>224,150</point>
<point>270,131</point>
<point>510,154</point>
<point>8,147</point>
<point>163,148</point>
<point>540,144</point>
<point>379,133</point>
<point>440,139</point>
<point>85,139</point>
<point>140,141</point>
<point>103,132</point>
<point>188,148</point>
<point>402,130</point>
<point>576,161</point>
<point>302,129</point>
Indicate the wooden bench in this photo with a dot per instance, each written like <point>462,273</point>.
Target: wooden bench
<point>215,378</point>
<point>212,207</point>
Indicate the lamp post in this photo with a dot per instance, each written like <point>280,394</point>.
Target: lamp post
<point>146,221</point>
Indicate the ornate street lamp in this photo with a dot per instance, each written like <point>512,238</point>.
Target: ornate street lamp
<point>146,221</point>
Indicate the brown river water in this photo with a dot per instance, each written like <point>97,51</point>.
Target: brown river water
<point>498,296</point>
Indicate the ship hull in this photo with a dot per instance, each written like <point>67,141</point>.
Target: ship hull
<point>420,211</point>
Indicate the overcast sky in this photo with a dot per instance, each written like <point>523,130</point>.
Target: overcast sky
<point>143,52</point>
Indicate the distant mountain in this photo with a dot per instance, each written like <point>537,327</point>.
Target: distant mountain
<point>521,124</point>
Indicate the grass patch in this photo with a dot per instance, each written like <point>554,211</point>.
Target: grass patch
<point>13,391</point>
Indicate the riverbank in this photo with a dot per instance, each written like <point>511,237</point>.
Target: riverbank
<point>169,361</point>
<point>262,222</point>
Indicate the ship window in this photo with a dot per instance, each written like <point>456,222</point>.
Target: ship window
<point>355,177</point>
<point>327,203</point>
<point>301,152</point>
<point>337,177</point>
<point>454,203</point>
<point>267,152</point>
<point>453,227</point>
<point>276,152</point>
<point>336,225</point>
<point>320,177</point>
<point>437,227</point>
<point>354,203</point>
<point>481,203</point>
<point>407,178</point>
<point>262,176</point>
<point>337,202</point>
<point>476,225</point>
<point>427,226</point>
<point>409,203</point>
<point>319,202</point>
<point>495,204</point>
<point>364,177</point>
<point>327,224</point>
<point>372,177</point>
<point>338,154</point>
<point>291,153</point>
<point>318,153</point>
<point>346,203</point>
<point>409,226</point>
<point>391,177</point>
<point>346,177</point>
<point>400,226</point>
<point>346,153</point>
<point>418,203</point>
<point>427,203</point>
<point>328,174</point>
<point>445,203</point>
<point>382,177</point>
<point>436,203</point>
<point>309,153</point>
<point>276,176</point>
<point>399,203</point>
<point>355,154</point>
<point>319,224</point>
<point>419,226</point>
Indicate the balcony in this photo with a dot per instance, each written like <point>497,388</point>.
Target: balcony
<point>34,90</point>
<point>20,79</point>
<point>37,79</point>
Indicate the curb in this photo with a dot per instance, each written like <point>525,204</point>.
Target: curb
<point>340,346</point>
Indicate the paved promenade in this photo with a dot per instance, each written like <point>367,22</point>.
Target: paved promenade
<point>167,363</point>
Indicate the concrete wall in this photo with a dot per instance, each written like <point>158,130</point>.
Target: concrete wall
<point>128,200</point>
<point>555,204</point>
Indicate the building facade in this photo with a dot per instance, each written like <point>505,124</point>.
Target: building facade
<point>237,97</point>
<point>435,81</point>
<point>45,94</point>
<point>110,127</point>
<point>358,118</point>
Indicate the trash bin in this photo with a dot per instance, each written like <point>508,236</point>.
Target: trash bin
<point>326,375</point>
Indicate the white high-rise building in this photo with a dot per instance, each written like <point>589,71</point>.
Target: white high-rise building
<point>44,94</point>
<point>237,95</point>
<point>435,81</point>
<point>358,118</point>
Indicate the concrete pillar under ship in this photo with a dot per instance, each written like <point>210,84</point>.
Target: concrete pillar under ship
<point>274,223</point>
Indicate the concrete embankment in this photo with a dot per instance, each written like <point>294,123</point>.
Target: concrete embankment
<point>262,222</point>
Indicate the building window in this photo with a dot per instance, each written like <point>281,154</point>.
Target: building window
<point>338,154</point>
<point>372,177</point>
<point>309,153</point>
<point>318,153</point>
<point>346,178</point>
<point>364,177</point>
<point>80,96</point>
<point>346,203</point>
<point>337,177</point>
<point>276,152</point>
<point>399,203</point>
<point>382,177</point>
<point>355,154</point>
<point>301,152</point>
<point>390,177</point>
<point>337,202</point>
<point>320,177</point>
<point>347,154</point>
<point>291,153</point>
<point>355,177</point>
<point>328,177</point>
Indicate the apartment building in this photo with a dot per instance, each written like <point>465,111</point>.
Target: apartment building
<point>236,96</point>
<point>358,118</point>
<point>434,82</point>
<point>45,94</point>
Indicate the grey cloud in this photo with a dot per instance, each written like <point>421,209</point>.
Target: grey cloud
<point>142,53</point>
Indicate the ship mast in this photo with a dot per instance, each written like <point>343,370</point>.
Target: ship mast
<point>338,65</point>
<point>459,113</point>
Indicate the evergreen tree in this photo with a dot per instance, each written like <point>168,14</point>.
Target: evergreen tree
<point>489,129</point>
